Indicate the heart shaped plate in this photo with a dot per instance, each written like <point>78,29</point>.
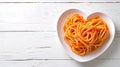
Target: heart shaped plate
<point>97,52</point>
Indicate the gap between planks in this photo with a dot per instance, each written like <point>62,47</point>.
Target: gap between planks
<point>24,31</point>
<point>60,2</point>
<point>56,59</point>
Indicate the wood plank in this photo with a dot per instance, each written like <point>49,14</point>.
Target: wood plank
<point>59,1</point>
<point>40,46</point>
<point>60,63</point>
<point>40,17</point>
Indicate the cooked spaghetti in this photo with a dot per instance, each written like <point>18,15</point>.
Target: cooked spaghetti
<point>84,36</point>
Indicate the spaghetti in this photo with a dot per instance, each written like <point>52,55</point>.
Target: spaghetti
<point>84,36</point>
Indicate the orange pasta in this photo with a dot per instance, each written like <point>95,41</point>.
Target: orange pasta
<point>84,36</point>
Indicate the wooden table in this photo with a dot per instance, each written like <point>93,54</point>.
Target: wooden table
<point>28,35</point>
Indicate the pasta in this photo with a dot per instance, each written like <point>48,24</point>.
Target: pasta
<point>84,36</point>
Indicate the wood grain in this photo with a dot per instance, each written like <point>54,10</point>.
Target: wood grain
<point>59,63</point>
<point>40,17</point>
<point>28,36</point>
<point>40,46</point>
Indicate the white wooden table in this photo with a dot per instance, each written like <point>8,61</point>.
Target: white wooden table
<point>28,35</point>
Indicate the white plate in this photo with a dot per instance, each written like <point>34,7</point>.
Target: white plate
<point>94,54</point>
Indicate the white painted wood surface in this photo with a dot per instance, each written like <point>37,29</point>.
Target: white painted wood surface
<point>28,35</point>
<point>47,1</point>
